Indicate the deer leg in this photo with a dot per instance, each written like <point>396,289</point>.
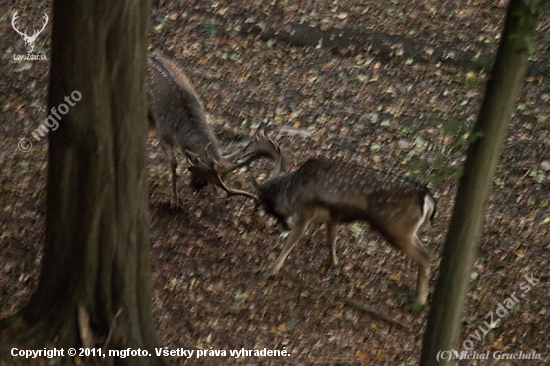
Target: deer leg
<point>332,233</point>
<point>412,247</point>
<point>299,227</point>
<point>169,152</point>
<point>423,273</point>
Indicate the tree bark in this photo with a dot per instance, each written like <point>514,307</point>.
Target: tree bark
<point>475,186</point>
<point>95,284</point>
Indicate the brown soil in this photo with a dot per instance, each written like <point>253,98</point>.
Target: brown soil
<point>387,84</point>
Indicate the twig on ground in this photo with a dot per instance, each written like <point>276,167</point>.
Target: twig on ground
<point>361,307</point>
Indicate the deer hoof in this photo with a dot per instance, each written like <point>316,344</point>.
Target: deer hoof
<point>420,302</point>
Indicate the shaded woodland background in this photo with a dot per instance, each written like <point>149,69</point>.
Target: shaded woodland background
<point>389,85</point>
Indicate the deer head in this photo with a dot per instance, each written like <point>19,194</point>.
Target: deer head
<point>178,115</point>
<point>29,40</point>
<point>261,146</point>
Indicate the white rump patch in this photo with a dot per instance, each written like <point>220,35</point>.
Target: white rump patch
<point>427,209</point>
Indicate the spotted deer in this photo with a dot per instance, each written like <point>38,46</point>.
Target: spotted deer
<point>177,113</point>
<point>332,192</point>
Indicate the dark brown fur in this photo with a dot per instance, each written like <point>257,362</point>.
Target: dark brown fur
<point>331,192</point>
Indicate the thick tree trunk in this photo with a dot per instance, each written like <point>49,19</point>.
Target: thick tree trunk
<point>445,316</point>
<point>95,284</point>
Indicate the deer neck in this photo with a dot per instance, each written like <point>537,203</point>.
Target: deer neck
<point>279,196</point>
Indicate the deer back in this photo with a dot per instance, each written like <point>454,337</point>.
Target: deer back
<point>349,192</point>
<point>176,110</point>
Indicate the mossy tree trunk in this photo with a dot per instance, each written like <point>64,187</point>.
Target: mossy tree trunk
<point>475,186</point>
<point>95,284</point>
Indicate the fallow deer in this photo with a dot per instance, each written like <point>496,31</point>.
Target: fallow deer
<point>332,192</point>
<point>177,113</point>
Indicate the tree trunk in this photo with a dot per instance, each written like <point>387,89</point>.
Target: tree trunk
<point>488,135</point>
<point>95,284</point>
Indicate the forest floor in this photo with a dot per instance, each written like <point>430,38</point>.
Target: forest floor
<point>386,84</point>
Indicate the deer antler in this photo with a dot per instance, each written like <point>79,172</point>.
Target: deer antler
<point>37,32</point>
<point>262,146</point>
<point>14,25</point>
<point>209,174</point>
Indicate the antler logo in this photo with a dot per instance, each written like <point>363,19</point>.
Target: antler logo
<point>29,40</point>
